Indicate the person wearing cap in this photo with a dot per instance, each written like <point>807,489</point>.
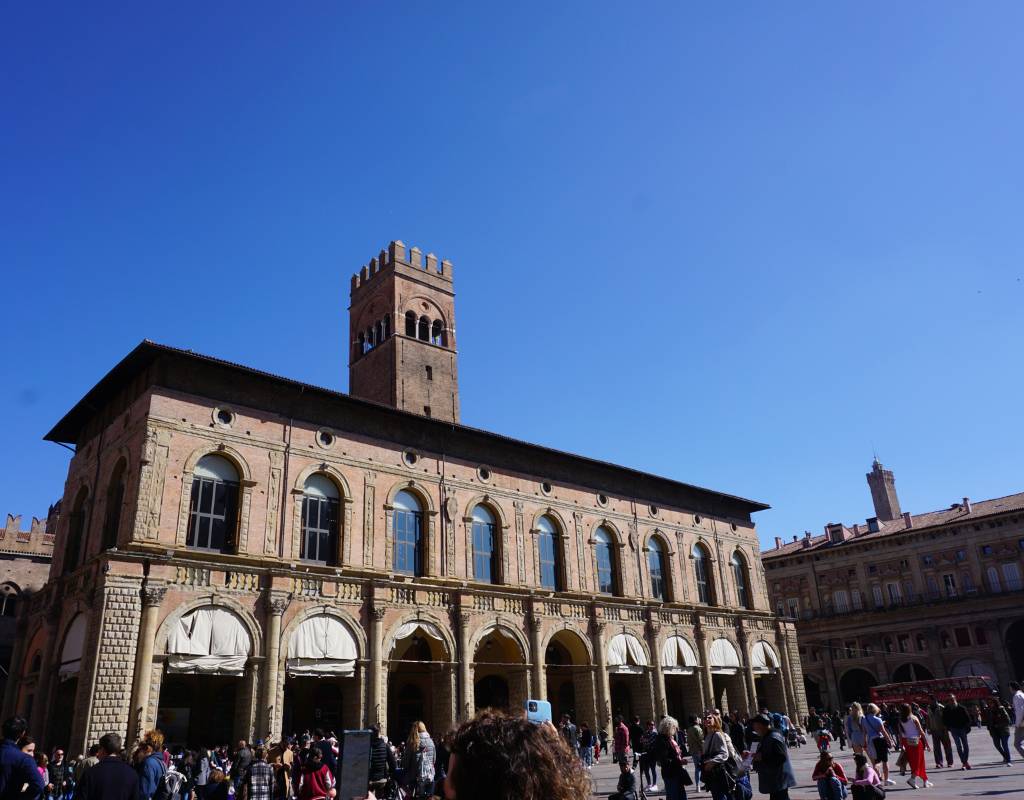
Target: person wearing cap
<point>771,760</point>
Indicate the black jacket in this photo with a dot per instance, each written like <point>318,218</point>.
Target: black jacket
<point>382,760</point>
<point>109,779</point>
<point>956,717</point>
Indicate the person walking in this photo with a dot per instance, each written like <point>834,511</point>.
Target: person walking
<point>648,763</point>
<point>695,745</point>
<point>665,750</point>
<point>110,778</point>
<point>569,733</point>
<point>587,740</point>
<point>240,764</point>
<point>17,769</point>
<point>620,743</point>
<point>1018,717</point>
<point>914,744</point>
<point>717,765</point>
<point>853,727</point>
<point>879,742</point>
<point>958,721</point>
<point>998,723</point>
<point>258,779</point>
<point>771,760</point>
<point>418,762</point>
<point>636,733</point>
<point>940,735</point>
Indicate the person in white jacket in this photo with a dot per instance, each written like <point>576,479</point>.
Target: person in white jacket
<point>1018,717</point>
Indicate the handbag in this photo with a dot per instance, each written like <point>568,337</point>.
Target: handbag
<point>685,778</point>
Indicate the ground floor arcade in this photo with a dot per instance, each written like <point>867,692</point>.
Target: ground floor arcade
<point>263,657</point>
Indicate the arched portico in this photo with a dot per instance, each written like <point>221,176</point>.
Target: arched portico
<point>681,667</point>
<point>421,676</point>
<point>569,675</point>
<point>500,668</point>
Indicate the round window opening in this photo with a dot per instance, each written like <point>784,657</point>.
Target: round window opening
<point>602,499</point>
<point>484,474</point>
<point>734,526</point>
<point>224,416</point>
<point>696,519</point>
<point>325,438</point>
<point>654,511</point>
<point>410,457</point>
<point>545,487</point>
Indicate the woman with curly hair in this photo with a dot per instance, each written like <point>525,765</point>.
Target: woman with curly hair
<point>498,757</point>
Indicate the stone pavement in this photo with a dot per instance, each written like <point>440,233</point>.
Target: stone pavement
<point>988,778</point>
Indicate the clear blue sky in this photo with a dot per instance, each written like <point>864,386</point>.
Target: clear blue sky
<point>742,245</point>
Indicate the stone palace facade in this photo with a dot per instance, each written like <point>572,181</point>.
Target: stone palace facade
<point>243,554</point>
<point>905,597</point>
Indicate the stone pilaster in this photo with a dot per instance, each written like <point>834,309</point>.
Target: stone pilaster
<point>707,684</point>
<point>462,619</point>
<point>603,716</point>
<point>152,598</point>
<point>273,692</point>
<point>376,712</point>
<point>539,677</point>
<point>47,670</point>
<point>657,675</point>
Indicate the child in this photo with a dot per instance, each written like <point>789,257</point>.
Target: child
<point>866,783</point>
<point>626,788</point>
<point>824,738</point>
<point>830,777</point>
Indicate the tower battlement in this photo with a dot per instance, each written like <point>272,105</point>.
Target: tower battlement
<point>398,256</point>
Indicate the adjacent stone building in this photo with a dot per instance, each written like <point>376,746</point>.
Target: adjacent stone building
<point>905,596</point>
<point>246,554</point>
<point>25,558</point>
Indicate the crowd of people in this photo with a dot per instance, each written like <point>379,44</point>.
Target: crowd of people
<point>876,732</point>
<point>498,756</point>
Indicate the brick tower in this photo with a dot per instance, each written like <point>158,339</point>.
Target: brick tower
<point>882,483</point>
<point>402,333</point>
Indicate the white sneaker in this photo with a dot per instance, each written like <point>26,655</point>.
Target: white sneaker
<point>911,783</point>
<point>890,782</point>
<point>653,787</point>
<point>928,784</point>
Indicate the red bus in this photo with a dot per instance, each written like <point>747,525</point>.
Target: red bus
<point>968,687</point>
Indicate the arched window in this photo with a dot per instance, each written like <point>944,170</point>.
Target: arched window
<point>702,575</point>
<point>77,524</point>
<point>437,332</point>
<point>387,327</point>
<point>320,503</point>
<point>380,331</point>
<point>739,574</point>
<point>115,499</point>
<point>424,329</point>
<point>8,600</point>
<point>213,515</point>
<point>370,341</point>
<point>548,550</point>
<point>606,583</point>
<point>357,348</point>
<point>656,566</point>
<point>485,553</point>
<point>410,323</point>
<point>408,531</point>
<point>993,579</point>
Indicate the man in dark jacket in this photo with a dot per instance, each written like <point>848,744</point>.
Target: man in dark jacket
<point>958,721</point>
<point>16,767</point>
<point>382,761</point>
<point>771,760</point>
<point>241,763</point>
<point>111,778</point>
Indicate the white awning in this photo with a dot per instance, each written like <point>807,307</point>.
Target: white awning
<point>763,659</point>
<point>973,666</point>
<point>71,653</point>
<point>677,656</point>
<point>321,646</point>
<point>724,658</point>
<point>209,640</point>
<point>625,650</point>
<point>424,627</point>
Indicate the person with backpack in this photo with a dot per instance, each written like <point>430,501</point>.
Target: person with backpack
<point>149,764</point>
<point>719,762</point>
<point>110,778</point>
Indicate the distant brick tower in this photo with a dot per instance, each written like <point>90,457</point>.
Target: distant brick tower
<point>402,333</point>
<point>883,492</point>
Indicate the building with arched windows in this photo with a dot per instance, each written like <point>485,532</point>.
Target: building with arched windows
<point>274,554</point>
<point>905,597</point>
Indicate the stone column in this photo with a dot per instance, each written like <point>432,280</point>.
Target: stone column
<point>792,694</point>
<point>657,675</point>
<point>749,684</point>
<point>277,604</point>
<point>152,597</point>
<point>539,689</point>
<point>603,717</point>
<point>465,708</point>
<point>46,671</point>
<point>376,671</point>
<point>997,646</point>
<point>708,686</point>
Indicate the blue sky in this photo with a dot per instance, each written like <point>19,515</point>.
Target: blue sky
<point>742,245</point>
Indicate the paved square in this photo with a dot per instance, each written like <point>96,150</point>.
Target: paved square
<point>988,778</point>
